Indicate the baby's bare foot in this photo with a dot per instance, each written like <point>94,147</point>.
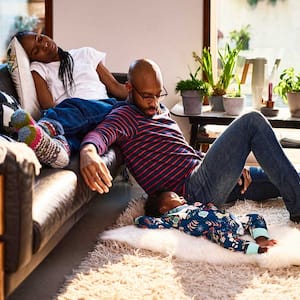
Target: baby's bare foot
<point>264,242</point>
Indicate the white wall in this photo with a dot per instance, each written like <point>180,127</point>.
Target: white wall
<point>166,31</point>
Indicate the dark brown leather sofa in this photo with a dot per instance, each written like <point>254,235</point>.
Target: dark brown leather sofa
<point>38,211</point>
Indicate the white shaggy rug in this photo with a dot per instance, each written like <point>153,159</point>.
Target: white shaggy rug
<point>178,266</point>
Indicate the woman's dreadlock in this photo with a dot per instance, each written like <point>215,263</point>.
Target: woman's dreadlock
<point>65,72</point>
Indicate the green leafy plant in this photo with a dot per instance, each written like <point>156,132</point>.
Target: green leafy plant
<point>193,83</point>
<point>236,92</point>
<point>289,81</point>
<point>228,61</point>
<point>241,36</point>
<point>25,23</point>
<point>254,2</point>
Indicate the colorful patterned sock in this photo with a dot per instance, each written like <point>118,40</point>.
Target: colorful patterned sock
<point>50,151</point>
<point>21,118</point>
<point>47,127</point>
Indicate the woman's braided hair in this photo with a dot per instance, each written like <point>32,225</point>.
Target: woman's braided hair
<point>65,72</point>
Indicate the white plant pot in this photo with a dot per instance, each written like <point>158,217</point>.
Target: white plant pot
<point>294,104</point>
<point>192,102</point>
<point>233,106</point>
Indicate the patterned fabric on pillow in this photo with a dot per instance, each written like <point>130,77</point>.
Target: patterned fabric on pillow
<point>6,138</point>
<point>8,104</point>
<point>19,68</point>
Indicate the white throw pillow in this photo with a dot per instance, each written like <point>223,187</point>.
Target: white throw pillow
<point>19,68</point>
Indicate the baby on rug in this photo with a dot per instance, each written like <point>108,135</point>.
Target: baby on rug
<point>165,209</point>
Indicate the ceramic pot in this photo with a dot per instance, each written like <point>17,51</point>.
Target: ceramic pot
<point>216,103</point>
<point>233,106</point>
<point>294,104</point>
<point>192,102</point>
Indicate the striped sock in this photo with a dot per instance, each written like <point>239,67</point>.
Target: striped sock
<point>21,118</point>
<point>47,127</point>
<point>49,151</point>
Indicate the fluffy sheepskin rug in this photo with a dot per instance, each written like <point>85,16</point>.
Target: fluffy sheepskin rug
<point>175,243</point>
<point>132,263</point>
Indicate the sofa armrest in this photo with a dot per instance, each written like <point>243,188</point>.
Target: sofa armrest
<point>121,77</point>
<point>17,166</point>
<point>1,241</point>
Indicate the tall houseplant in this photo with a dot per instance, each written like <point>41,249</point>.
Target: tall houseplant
<point>288,88</point>
<point>192,91</point>
<point>219,86</point>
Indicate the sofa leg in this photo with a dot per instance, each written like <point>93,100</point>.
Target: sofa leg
<point>1,241</point>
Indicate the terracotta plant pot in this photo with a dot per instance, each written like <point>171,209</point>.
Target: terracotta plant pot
<point>192,102</point>
<point>294,103</point>
<point>233,106</point>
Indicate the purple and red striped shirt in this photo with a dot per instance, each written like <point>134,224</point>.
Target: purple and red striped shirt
<point>154,149</point>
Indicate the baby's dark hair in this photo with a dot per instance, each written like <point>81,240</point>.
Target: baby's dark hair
<point>153,203</point>
<point>66,67</point>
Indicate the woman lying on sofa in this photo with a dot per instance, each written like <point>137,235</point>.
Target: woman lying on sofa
<point>64,81</point>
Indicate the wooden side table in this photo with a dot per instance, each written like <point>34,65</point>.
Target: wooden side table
<point>208,117</point>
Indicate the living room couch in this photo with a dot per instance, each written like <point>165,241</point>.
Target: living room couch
<point>38,211</point>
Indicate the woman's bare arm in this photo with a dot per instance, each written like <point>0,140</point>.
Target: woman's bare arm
<point>44,96</point>
<point>117,89</point>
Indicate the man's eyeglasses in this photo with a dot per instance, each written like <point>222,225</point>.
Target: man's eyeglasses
<point>146,97</point>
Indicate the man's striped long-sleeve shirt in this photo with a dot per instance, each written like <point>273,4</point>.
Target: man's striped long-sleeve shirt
<point>154,149</point>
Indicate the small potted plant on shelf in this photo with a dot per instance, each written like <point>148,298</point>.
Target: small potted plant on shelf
<point>288,88</point>
<point>234,101</point>
<point>192,91</point>
<point>219,87</point>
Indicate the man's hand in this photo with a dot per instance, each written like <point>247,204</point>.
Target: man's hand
<point>245,180</point>
<point>94,171</point>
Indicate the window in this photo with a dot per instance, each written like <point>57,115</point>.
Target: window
<point>272,26</point>
<point>18,15</point>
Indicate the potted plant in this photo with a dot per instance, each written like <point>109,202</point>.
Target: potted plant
<point>234,101</point>
<point>241,36</point>
<point>288,88</point>
<point>192,91</point>
<point>219,86</point>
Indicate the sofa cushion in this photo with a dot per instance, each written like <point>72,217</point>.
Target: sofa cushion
<point>59,194</point>
<point>54,202</point>
<point>19,68</point>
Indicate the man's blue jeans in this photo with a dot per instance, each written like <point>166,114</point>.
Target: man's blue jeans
<point>215,179</point>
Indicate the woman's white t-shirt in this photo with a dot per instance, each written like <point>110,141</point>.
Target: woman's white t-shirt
<point>87,84</point>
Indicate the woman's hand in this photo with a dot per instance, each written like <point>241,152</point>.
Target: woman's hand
<point>245,180</point>
<point>94,171</point>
